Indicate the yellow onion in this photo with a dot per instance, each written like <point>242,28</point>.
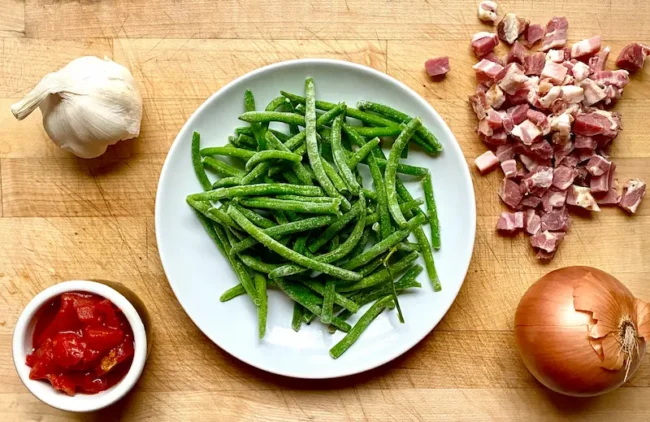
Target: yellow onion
<point>580,331</point>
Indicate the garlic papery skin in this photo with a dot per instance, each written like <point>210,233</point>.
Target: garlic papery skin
<point>87,105</point>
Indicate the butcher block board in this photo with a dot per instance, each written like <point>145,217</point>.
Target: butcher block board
<point>66,218</point>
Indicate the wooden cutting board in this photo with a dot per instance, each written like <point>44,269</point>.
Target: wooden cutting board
<point>65,218</point>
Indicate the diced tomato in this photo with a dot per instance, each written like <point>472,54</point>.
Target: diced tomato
<point>41,361</point>
<point>117,355</point>
<point>90,383</point>
<point>102,339</point>
<point>69,349</point>
<point>63,383</point>
<point>65,319</point>
<point>108,313</point>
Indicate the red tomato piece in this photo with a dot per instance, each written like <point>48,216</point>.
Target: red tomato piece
<point>41,361</point>
<point>64,320</point>
<point>69,349</point>
<point>63,383</point>
<point>117,355</point>
<point>102,339</point>
<point>90,383</point>
<point>108,313</point>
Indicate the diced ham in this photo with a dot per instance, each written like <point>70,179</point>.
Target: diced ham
<point>555,34</point>
<point>517,53</point>
<point>510,193</point>
<point>483,43</point>
<point>556,220</point>
<point>510,27</point>
<point>557,199</point>
<point>586,48</point>
<point>534,63</point>
<point>544,256</point>
<point>633,193</point>
<point>562,125</point>
<point>509,168</point>
<point>541,150</point>
<point>561,151</point>
<point>505,152</point>
<point>530,201</point>
<point>555,56</point>
<point>486,162</point>
<point>632,57</point>
<point>603,183</point>
<point>616,78</point>
<point>536,117</point>
<point>598,122</point>
<point>484,128</point>
<point>527,132</point>
<point>532,34</point>
<point>585,142</point>
<point>563,177</point>
<point>598,166</point>
<point>479,104</point>
<point>547,241</point>
<point>510,223</point>
<point>612,94</point>
<point>584,155</point>
<point>553,71</point>
<point>581,196</point>
<point>598,61</point>
<point>537,181</point>
<point>511,78</point>
<point>581,177</point>
<point>528,162</point>
<point>494,119</point>
<point>495,97</point>
<point>547,100</point>
<point>580,72</point>
<point>486,70</point>
<point>593,93</point>
<point>518,113</point>
<point>493,58</point>
<point>519,97</point>
<point>487,11</point>
<point>498,137</point>
<point>572,94</point>
<point>609,198</point>
<point>437,66</point>
<point>533,222</point>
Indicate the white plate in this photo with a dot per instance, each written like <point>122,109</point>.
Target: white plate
<point>198,273</point>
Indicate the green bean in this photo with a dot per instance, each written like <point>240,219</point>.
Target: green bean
<point>197,164</point>
<point>214,214</point>
<point>289,228</point>
<point>271,155</point>
<point>273,116</point>
<point>315,199</point>
<point>293,129</point>
<point>380,276</point>
<point>298,168</point>
<point>257,219</point>
<point>400,117</point>
<point>372,132</point>
<point>371,195</point>
<point>340,157</point>
<point>361,325</point>
<point>362,153</point>
<point>432,212</point>
<point>363,242</point>
<point>257,190</point>
<point>339,299</point>
<point>276,103</point>
<point>222,169</point>
<point>406,197</point>
<point>243,141</point>
<point>244,130</point>
<point>296,320</point>
<point>384,245</point>
<point>406,208</point>
<point>244,154</point>
<point>255,174</point>
<point>227,182</point>
<point>427,254</point>
<point>287,253</point>
<point>404,168</point>
<point>328,301</point>
<point>257,265</point>
<point>209,229</point>
<point>291,177</point>
<point>391,171</point>
<point>334,243</point>
<point>409,247</point>
<point>372,265</point>
<point>295,206</point>
<point>232,293</point>
<point>333,175</point>
<point>336,227</point>
<point>262,310</point>
<point>385,225</point>
<point>283,137</point>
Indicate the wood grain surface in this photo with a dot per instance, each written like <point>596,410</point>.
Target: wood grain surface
<point>65,218</point>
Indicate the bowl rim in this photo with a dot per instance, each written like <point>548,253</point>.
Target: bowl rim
<point>91,402</point>
<point>343,63</point>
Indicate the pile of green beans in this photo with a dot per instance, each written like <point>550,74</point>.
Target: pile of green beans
<point>290,211</point>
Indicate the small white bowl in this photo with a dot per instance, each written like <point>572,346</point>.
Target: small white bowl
<point>22,346</point>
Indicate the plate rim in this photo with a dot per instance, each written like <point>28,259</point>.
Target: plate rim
<point>389,79</point>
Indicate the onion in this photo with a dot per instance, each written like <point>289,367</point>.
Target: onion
<point>580,331</point>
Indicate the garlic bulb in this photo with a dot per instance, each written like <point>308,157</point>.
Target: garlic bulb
<point>87,105</point>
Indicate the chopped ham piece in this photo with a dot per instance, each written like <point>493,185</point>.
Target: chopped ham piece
<point>495,97</point>
<point>527,132</point>
<point>493,58</point>
<point>547,100</point>
<point>542,150</point>
<point>487,11</point>
<point>537,117</point>
<point>518,113</point>
<point>598,122</point>
<point>486,70</point>
<point>510,222</point>
<point>517,53</point>
<point>498,137</point>
<point>561,153</point>
<point>632,57</point>
<point>556,220</point>
<point>563,177</point>
<point>510,193</point>
<point>544,256</point>
<point>585,142</point>
<point>610,198</point>
<point>534,63</point>
<point>486,162</point>
<point>555,34</point>
<point>633,193</point>
<point>547,241</point>
<point>562,125</point>
<point>533,222</point>
<point>484,128</point>
<point>437,66</point>
<point>519,97</point>
<point>586,48</point>
<point>580,196</point>
<point>510,27</point>
<point>603,183</point>
<point>580,72</point>
<point>536,182</point>
<point>573,94</point>
<point>511,78</point>
<point>528,162</point>
<point>615,78</point>
<point>597,165</point>
<point>557,199</point>
<point>505,152</point>
<point>597,62</point>
<point>494,119</point>
<point>483,43</point>
<point>555,72</point>
<point>479,104</point>
<point>532,34</point>
<point>509,168</point>
<point>593,93</point>
<point>530,201</point>
<point>555,56</point>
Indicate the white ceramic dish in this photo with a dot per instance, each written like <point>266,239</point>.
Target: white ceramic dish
<point>22,346</point>
<point>198,273</point>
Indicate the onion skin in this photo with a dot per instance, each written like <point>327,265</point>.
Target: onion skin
<point>553,338</point>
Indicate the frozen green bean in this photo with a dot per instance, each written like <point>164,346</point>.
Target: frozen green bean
<point>432,211</point>
<point>227,151</point>
<point>222,169</point>
<point>262,310</point>
<point>271,155</point>
<point>232,293</point>
<point>257,190</point>
<point>227,182</point>
<point>362,153</point>
<point>381,275</point>
<point>295,206</point>
<point>256,264</point>
<point>427,254</point>
<point>340,157</point>
<point>197,164</point>
<point>273,116</point>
